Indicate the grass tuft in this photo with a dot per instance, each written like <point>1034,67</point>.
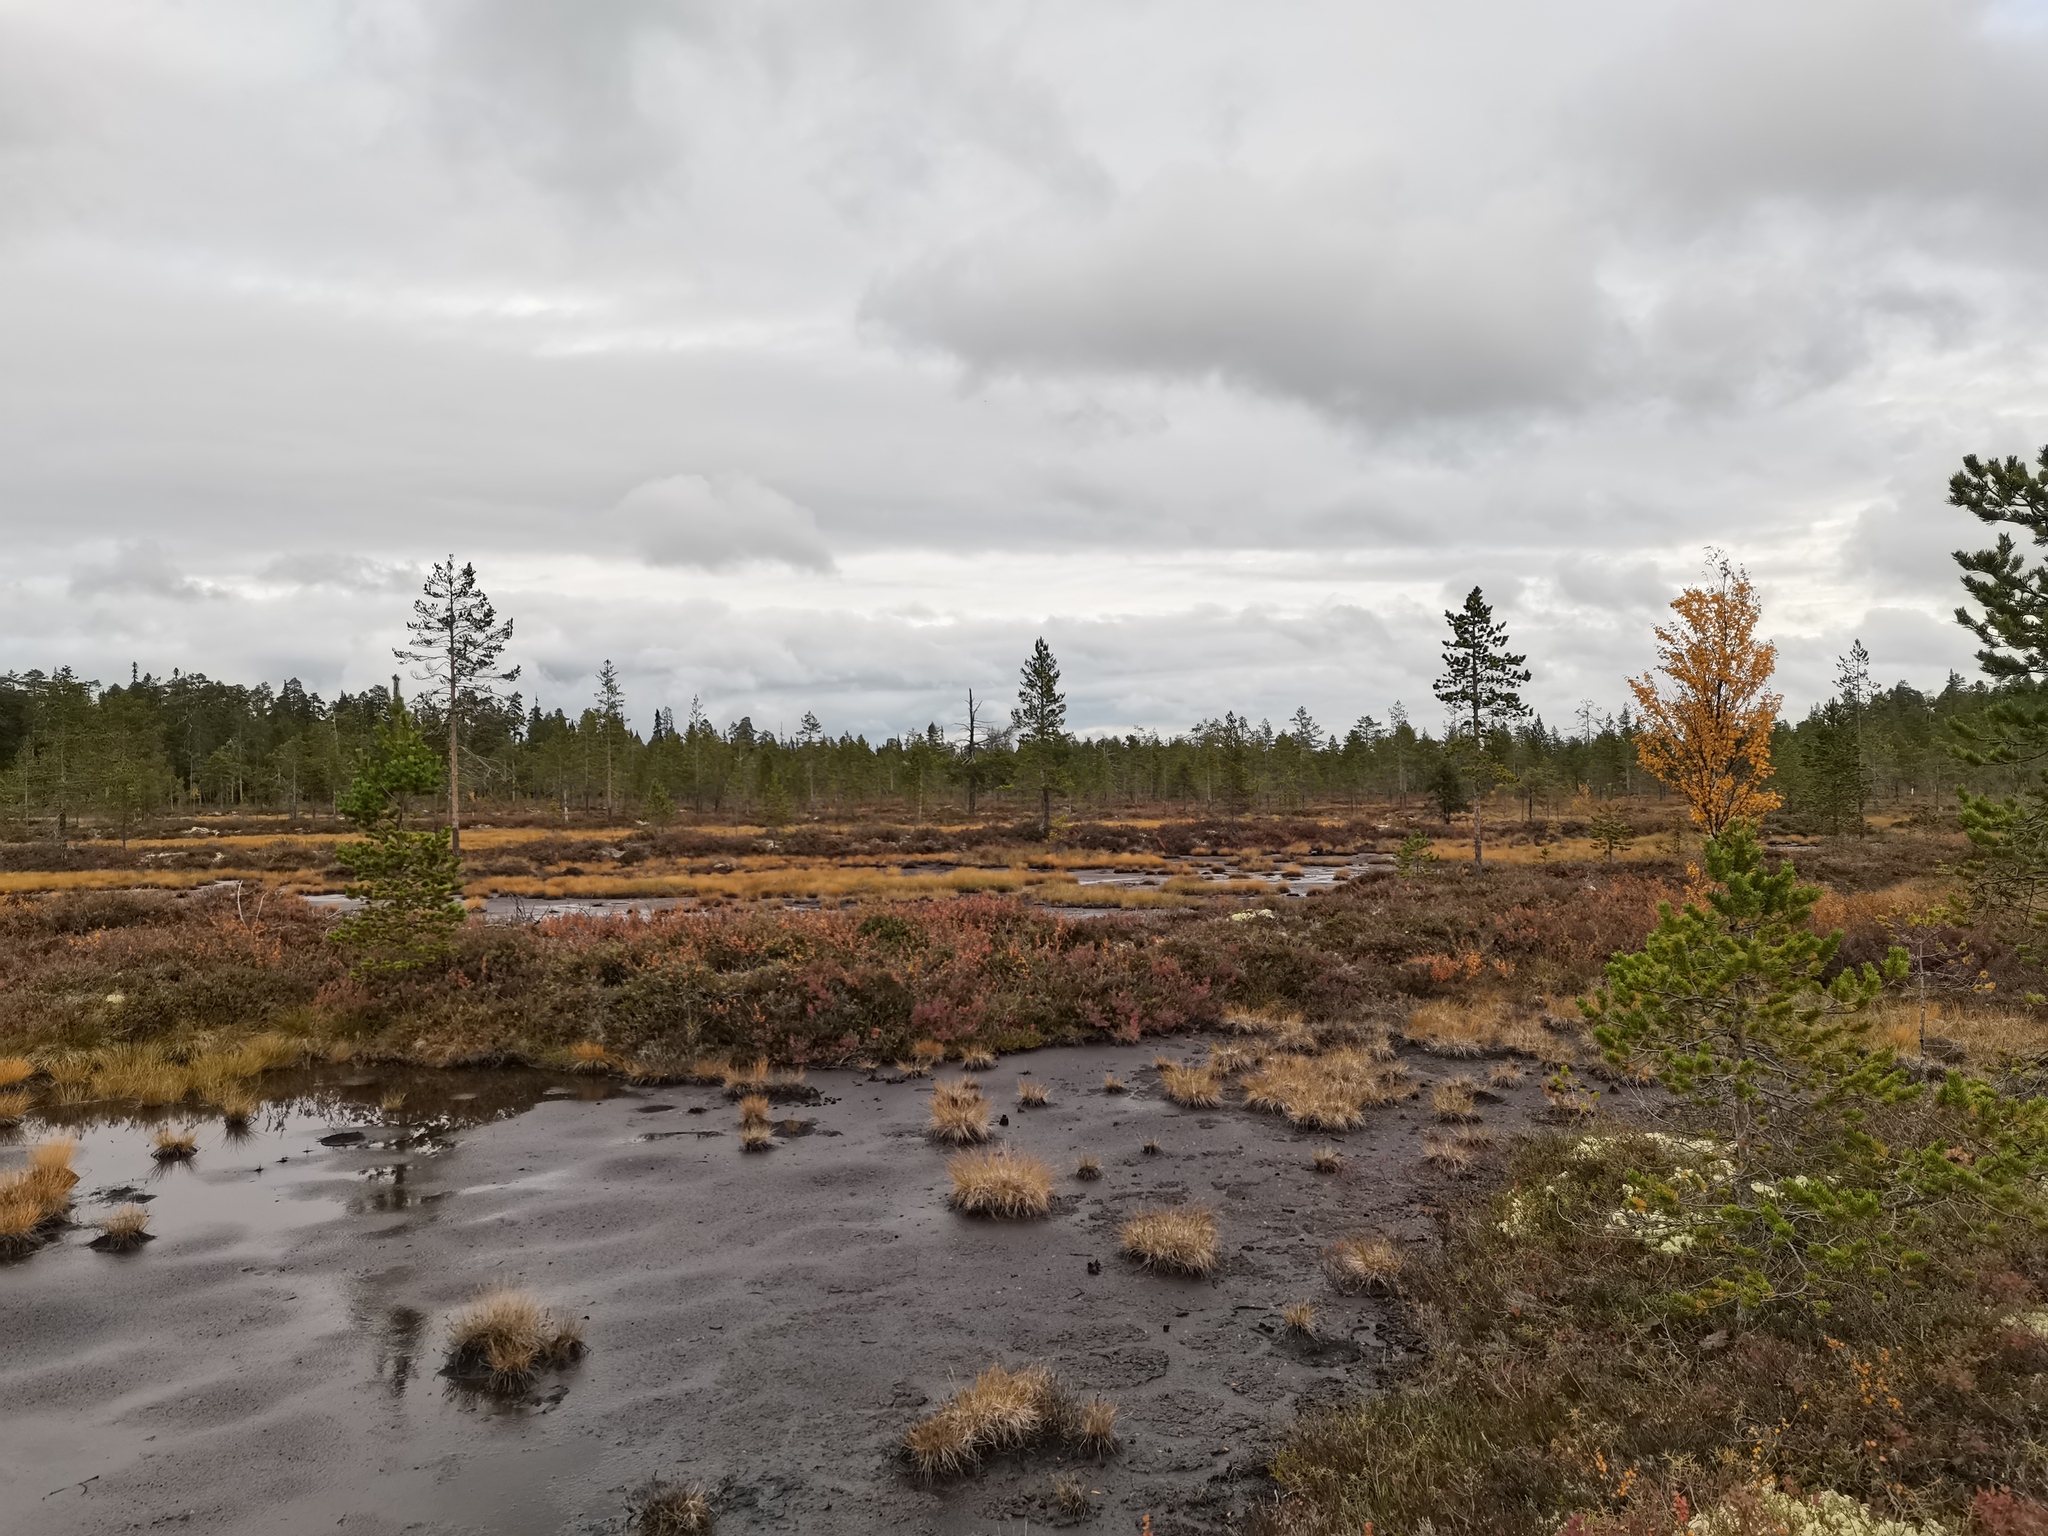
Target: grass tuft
<point>1111,1083</point>
<point>504,1337</point>
<point>1003,1184</point>
<point>1194,1087</point>
<point>1452,1100</point>
<point>1151,1147</point>
<point>124,1228</point>
<point>589,1056</point>
<point>1505,1074</point>
<point>756,1137</point>
<point>32,1199</point>
<point>15,1069</point>
<point>1328,1160</point>
<point>959,1114</point>
<point>678,1511</point>
<point>1176,1239</point>
<point>1299,1317</point>
<point>1071,1495</point>
<point>171,1146</point>
<point>14,1108</point>
<point>1369,1263</point>
<point>1325,1093</point>
<point>1032,1095</point>
<point>1090,1167</point>
<point>1095,1427</point>
<point>237,1107</point>
<point>754,1109</point>
<point>1003,1410</point>
<point>1456,1153</point>
<point>978,1061</point>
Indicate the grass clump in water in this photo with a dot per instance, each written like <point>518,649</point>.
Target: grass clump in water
<point>1004,1410</point>
<point>959,1114</point>
<point>34,1199</point>
<point>169,1146</point>
<point>124,1228</point>
<point>504,1337</point>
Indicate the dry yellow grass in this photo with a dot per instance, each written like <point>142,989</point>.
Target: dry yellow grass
<point>32,1198</point>
<point>754,1109</point>
<point>1299,1317</point>
<point>959,1114</point>
<point>169,1146</point>
<point>502,1337</point>
<point>1330,1092</point>
<point>1229,1060</point>
<point>1111,1083</point>
<point>1455,1153</point>
<point>756,1137</point>
<point>1032,1095</point>
<point>1194,1087</point>
<point>1985,1034</point>
<point>1472,1028</point>
<point>1004,1184</point>
<point>758,1078</point>
<point>1090,1167</point>
<point>391,1103</point>
<point>681,1511</point>
<point>15,1069</point>
<point>124,1228</point>
<point>927,1053</point>
<point>1001,1411</point>
<point>589,1056</point>
<point>1452,1100</point>
<point>1328,1160</point>
<point>14,1108</point>
<point>1505,1074</point>
<point>237,1107</point>
<point>1096,1426</point>
<point>1367,1263</point>
<point>1178,1239</point>
<point>977,1061</point>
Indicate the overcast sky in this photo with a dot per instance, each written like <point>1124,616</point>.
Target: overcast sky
<point>820,355</point>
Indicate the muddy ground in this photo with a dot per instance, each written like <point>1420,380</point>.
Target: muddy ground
<point>767,1325</point>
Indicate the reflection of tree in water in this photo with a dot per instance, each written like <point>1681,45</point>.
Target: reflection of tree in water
<point>398,1334</point>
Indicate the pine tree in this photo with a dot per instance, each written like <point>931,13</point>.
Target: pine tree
<point>456,644</point>
<point>409,883</point>
<point>1478,685</point>
<point>1041,722</point>
<point>611,725</point>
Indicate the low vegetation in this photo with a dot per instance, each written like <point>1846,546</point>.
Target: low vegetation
<point>1004,1184</point>
<point>1192,1087</point>
<point>755,1136</point>
<point>14,1108</point>
<point>504,1338</point>
<point>1089,1167</point>
<point>33,1199</point>
<point>1178,1240</point>
<point>1328,1160</point>
<point>1006,1410</point>
<point>123,1228</point>
<point>169,1146</point>
<point>1299,1317</point>
<point>1329,1092</point>
<point>959,1114</point>
<point>754,1109</point>
<point>1032,1095</point>
<point>1364,1264</point>
<point>682,1510</point>
<point>1452,1100</point>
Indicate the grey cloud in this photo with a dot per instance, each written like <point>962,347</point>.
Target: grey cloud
<point>140,568</point>
<point>349,573</point>
<point>1330,292</point>
<point>719,521</point>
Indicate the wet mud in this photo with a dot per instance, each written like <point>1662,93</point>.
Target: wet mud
<point>767,1325</point>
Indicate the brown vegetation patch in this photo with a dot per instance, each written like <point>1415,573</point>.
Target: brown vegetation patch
<point>754,1109</point>
<point>1032,1095</point>
<point>1452,1100</point>
<point>1005,1410</point>
<point>1111,1083</point>
<point>15,1069</point>
<point>169,1146</point>
<point>1299,1317</point>
<point>1004,1184</point>
<point>1090,1167</point>
<point>959,1114</point>
<point>1328,1160</point>
<point>14,1108</point>
<point>1193,1087</point>
<point>1366,1263</point>
<point>1473,1027</point>
<point>504,1337</point>
<point>34,1199</point>
<point>124,1228</point>
<point>1330,1092</point>
<point>756,1137</point>
<point>1176,1239</point>
<point>676,1511</point>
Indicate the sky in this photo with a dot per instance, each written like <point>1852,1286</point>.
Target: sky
<point>822,354</point>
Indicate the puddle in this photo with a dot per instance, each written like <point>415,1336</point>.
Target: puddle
<point>765,1323</point>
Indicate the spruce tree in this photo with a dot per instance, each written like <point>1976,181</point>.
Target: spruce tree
<point>1479,684</point>
<point>456,644</point>
<point>1041,723</point>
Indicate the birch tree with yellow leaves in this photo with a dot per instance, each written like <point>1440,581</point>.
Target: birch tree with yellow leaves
<point>1706,724</point>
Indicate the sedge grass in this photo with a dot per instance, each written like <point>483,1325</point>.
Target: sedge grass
<point>959,1115</point>
<point>1192,1087</point>
<point>754,1109</point>
<point>1452,1100</point>
<point>1364,1263</point>
<point>1032,1095</point>
<point>124,1228</point>
<point>169,1146</point>
<point>756,1137</point>
<point>14,1108</point>
<point>1005,1410</point>
<point>676,1511</point>
<point>1177,1240</point>
<point>1089,1167</point>
<point>1299,1317</point>
<point>32,1199</point>
<point>15,1069</point>
<point>1003,1184</point>
<point>503,1338</point>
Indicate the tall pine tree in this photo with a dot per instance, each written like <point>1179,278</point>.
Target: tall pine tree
<point>1041,721</point>
<point>1479,685</point>
<point>456,643</point>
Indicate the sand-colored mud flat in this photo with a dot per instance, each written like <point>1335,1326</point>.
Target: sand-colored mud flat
<point>767,1325</point>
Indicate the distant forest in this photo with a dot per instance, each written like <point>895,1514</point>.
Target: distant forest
<point>121,756</point>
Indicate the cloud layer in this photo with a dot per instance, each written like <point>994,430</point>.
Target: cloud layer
<point>804,355</point>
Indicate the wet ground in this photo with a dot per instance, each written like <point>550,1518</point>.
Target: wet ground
<point>767,1325</point>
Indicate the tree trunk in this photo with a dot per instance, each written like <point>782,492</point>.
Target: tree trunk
<point>1478,843</point>
<point>1045,812</point>
<point>454,762</point>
